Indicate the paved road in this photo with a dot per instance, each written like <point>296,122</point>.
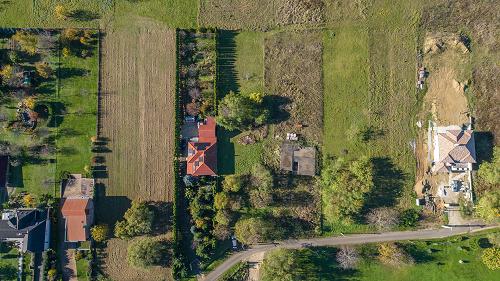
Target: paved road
<point>341,240</point>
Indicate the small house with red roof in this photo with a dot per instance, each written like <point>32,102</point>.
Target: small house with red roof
<point>77,208</point>
<point>202,151</point>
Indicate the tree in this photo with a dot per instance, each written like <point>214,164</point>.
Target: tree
<point>221,200</point>
<point>65,52</point>
<point>254,230</point>
<point>290,265</point>
<point>43,69</point>
<point>27,41</point>
<point>99,232</point>
<point>46,200</point>
<point>193,108</point>
<point>391,254</point>
<point>221,232</point>
<point>409,217</point>
<point>138,220</point>
<point>240,112</point>
<point>60,12</point>
<point>347,257</point>
<point>223,217</point>
<point>144,252</point>
<point>261,182</point>
<point>6,72</point>
<point>344,186</point>
<point>491,258</point>
<point>490,171</point>
<point>488,207</point>
<point>383,218</point>
<point>232,183</point>
<point>52,274</point>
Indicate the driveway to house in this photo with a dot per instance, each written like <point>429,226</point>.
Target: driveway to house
<point>341,240</point>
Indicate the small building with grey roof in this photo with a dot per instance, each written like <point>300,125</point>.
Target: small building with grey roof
<point>298,160</point>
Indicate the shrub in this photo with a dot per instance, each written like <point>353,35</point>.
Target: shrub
<point>254,230</point>
<point>43,69</point>
<point>232,183</point>
<point>491,258</point>
<point>391,254</point>
<point>100,232</point>
<point>409,218</point>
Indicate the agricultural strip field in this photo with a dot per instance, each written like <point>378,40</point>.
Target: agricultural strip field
<point>259,14</point>
<point>137,122</point>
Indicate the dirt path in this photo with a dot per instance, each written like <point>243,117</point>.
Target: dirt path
<point>137,118</point>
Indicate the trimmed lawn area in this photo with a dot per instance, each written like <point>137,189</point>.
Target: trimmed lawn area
<point>78,91</point>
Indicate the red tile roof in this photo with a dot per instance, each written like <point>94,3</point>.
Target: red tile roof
<point>78,213</point>
<point>202,155</point>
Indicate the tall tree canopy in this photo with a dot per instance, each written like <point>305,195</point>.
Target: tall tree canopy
<point>345,185</point>
<point>241,112</point>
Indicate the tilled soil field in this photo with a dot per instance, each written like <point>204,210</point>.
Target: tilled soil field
<point>137,124</point>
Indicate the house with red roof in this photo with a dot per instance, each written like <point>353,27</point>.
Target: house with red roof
<point>77,208</point>
<point>202,151</point>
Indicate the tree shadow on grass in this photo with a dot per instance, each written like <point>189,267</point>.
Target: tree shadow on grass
<point>83,15</point>
<point>163,216</point>
<point>419,253</point>
<point>324,258</point>
<point>276,105</point>
<point>68,72</point>
<point>388,181</point>
<point>109,209</point>
<point>8,272</point>
<point>484,146</point>
<point>16,176</point>
<point>225,160</point>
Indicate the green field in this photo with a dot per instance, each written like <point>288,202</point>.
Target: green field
<point>92,13</point>
<point>436,260</point>
<point>8,262</point>
<point>345,79</point>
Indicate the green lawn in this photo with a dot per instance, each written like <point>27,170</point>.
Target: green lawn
<point>345,82</point>
<point>8,262</point>
<point>78,91</point>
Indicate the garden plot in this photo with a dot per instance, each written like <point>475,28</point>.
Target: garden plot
<point>48,111</point>
<point>293,63</point>
<point>260,14</point>
<point>138,122</point>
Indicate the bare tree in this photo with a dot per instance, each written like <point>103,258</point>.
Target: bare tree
<point>347,257</point>
<point>383,218</point>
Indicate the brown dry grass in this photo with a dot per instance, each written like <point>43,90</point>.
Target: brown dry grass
<point>293,63</point>
<point>259,14</point>
<point>138,88</point>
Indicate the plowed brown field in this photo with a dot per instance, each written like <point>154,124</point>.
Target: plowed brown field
<point>137,121</point>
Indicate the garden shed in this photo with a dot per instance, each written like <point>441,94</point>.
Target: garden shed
<point>298,160</point>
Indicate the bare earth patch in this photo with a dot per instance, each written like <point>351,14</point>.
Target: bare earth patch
<point>137,122</point>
